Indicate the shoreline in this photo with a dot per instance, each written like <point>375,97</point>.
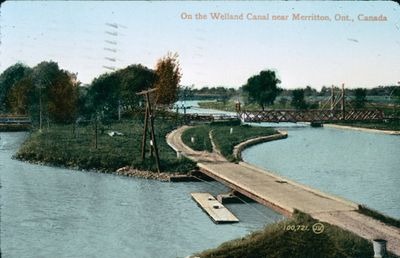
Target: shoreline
<point>124,171</point>
<point>239,148</point>
<point>362,129</point>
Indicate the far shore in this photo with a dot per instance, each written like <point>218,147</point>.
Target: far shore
<point>362,129</point>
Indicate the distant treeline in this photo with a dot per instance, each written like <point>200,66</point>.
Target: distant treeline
<point>46,92</point>
<point>227,92</point>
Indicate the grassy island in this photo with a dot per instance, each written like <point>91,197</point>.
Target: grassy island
<point>224,140</point>
<point>295,238</point>
<point>64,145</point>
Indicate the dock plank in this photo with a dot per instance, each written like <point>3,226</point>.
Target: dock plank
<point>218,212</point>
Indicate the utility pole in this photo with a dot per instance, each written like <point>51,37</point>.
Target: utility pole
<point>40,108</point>
<point>333,97</point>
<point>343,103</point>
<point>149,118</point>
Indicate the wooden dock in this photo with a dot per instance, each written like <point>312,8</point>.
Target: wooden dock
<point>214,209</point>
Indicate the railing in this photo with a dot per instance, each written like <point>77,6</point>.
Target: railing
<point>7,119</point>
<point>315,115</point>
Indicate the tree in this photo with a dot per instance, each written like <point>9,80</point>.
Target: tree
<point>360,98</point>
<point>21,96</point>
<point>56,90</point>
<point>169,75</point>
<point>298,101</point>
<point>62,98</point>
<point>133,79</point>
<point>263,88</point>
<point>104,94</point>
<point>8,79</point>
<point>308,91</point>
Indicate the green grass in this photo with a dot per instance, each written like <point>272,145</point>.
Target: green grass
<point>379,216</point>
<point>275,242</point>
<point>393,125</point>
<point>59,146</point>
<point>223,140</point>
<point>201,140</point>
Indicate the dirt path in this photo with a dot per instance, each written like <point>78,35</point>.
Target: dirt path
<point>284,195</point>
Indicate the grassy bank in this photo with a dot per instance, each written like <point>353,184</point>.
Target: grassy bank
<point>275,241</point>
<point>61,145</point>
<point>393,125</point>
<point>223,139</point>
<point>379,216</point>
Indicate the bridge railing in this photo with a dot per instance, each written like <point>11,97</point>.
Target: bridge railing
<point>313,115</point>
<point>14,119</point>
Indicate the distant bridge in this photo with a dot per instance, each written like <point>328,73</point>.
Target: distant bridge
<point>339,110</point>
<point>313,115</point>
<point>14,122</point>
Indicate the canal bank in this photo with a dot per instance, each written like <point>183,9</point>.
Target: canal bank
<point>362,129</point>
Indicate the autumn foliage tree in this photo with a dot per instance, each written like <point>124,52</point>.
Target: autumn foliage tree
<point>168,77</point>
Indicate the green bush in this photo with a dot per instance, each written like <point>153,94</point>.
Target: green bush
<point>274,241</point>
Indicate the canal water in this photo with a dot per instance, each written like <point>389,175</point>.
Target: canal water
<point>359,166</point>
<point>53,212</point>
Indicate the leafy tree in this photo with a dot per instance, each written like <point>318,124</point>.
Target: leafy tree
<point>298,101</point>
<point>360,98</point>
<point>169,75</point>
<point>8,79</point>
<point>133,79</point>
<point>104,94</point>
<point>308,91</point>
<point>56,90</point>
<point>21,96</point>
<point>62,98</point>
<point>263,88</point>
<point>396,94</point>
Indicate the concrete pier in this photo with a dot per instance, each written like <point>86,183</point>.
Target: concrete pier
<point>217,212</point>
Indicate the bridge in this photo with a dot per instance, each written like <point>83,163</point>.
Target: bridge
<point>338,110</point>
<point>14,122</point>
<point>284,196</point>
<point>335,109</point>
<point>313,115</point>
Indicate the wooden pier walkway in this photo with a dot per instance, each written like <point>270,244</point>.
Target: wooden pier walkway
<point>214,209</point>
<point>285,196</point>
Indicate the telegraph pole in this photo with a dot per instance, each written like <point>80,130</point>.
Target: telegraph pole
<point>343,103</point>
<point>333,97</point>
<point>149,118</point>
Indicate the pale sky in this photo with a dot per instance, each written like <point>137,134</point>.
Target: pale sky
<point>212,52</point>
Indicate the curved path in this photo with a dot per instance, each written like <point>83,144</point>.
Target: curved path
<point>284,195</point>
